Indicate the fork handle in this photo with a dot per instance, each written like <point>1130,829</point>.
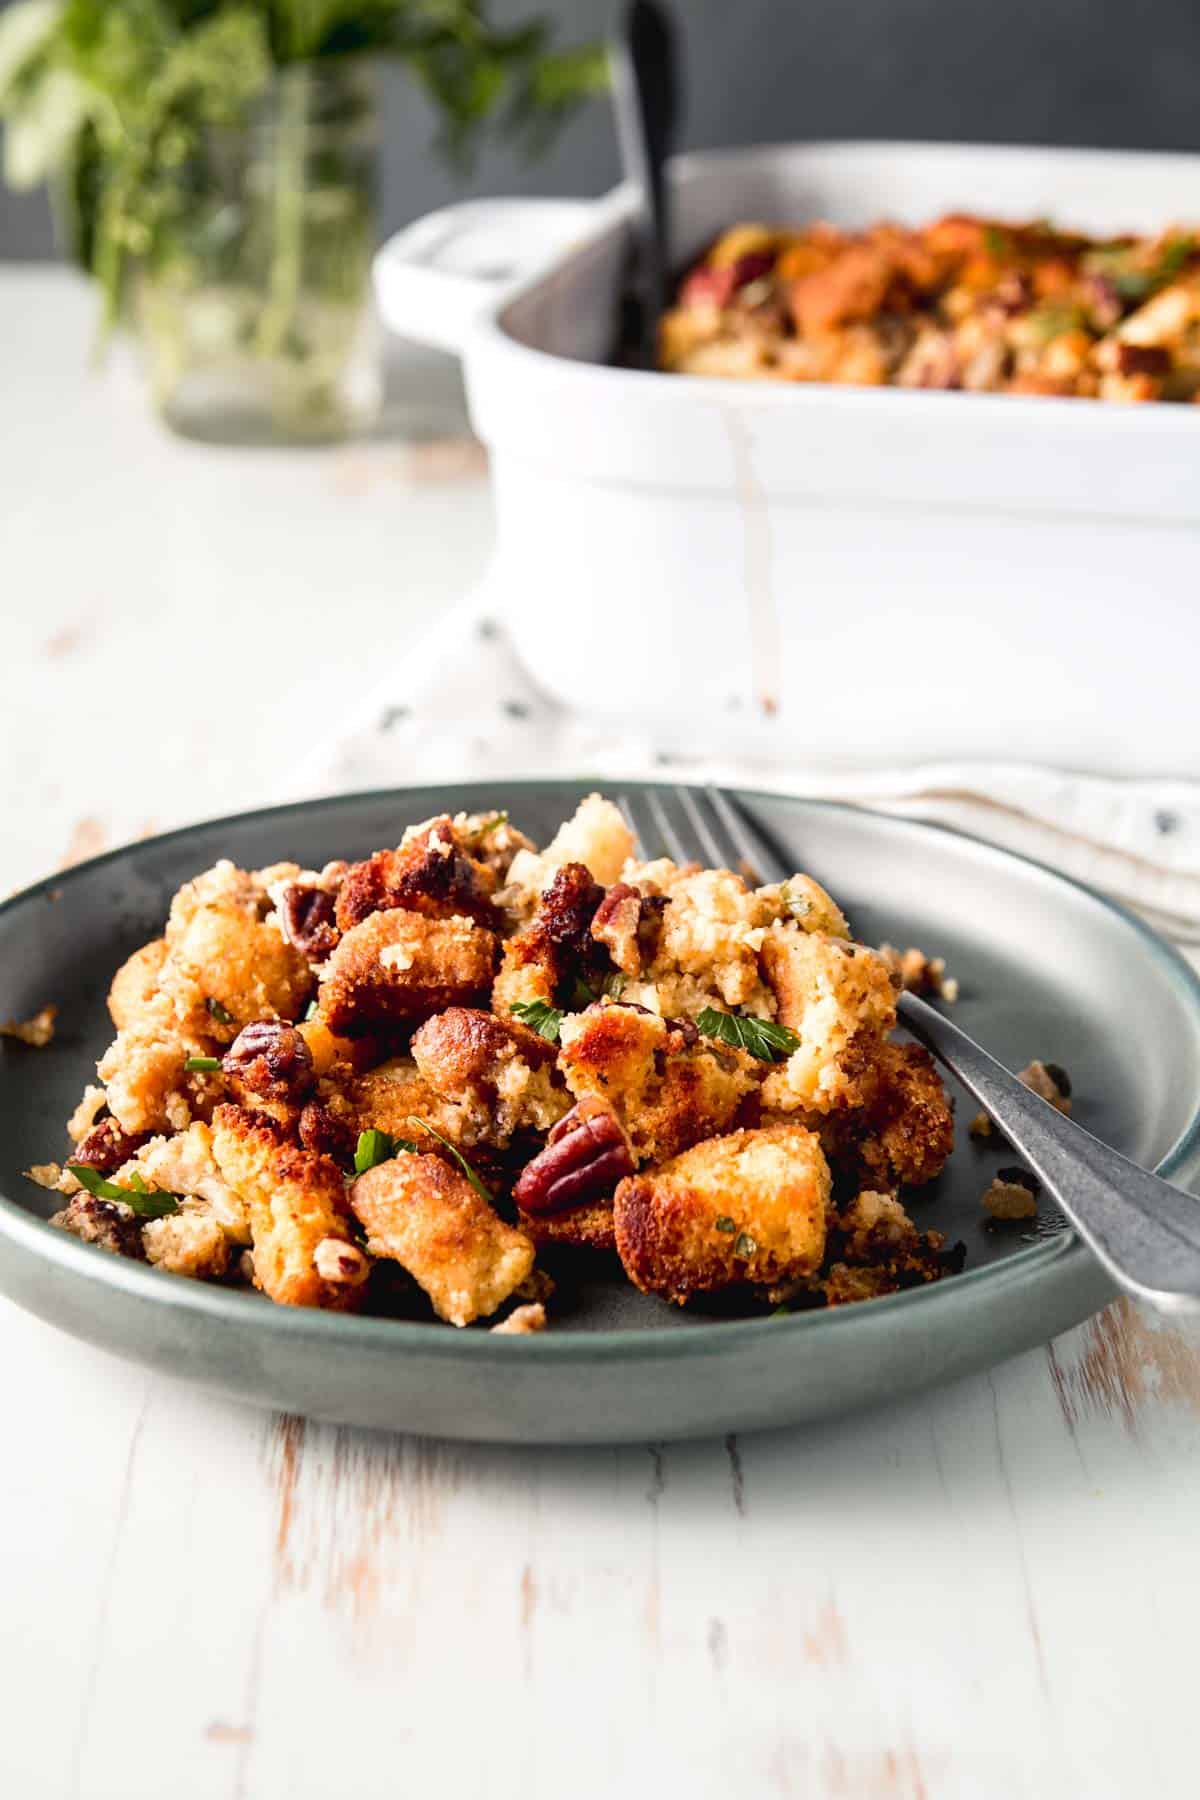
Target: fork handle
<point>1145,1232</point>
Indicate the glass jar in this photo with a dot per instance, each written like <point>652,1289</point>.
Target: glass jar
<point>255,310</point>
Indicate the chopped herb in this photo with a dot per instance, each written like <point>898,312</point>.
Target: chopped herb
<point>799,905</point>
<point>539,1017</point>
<point>497,819</point>
<point>761,1037</point>
<point>1174,258</point>
<point>458,1156</point>
<point>613,986</point>
<point>148,1203</point>
<point>376,1147</point>
<point>995,241</point>
<point>744,1244</point>
<point>581,994</point>
<point>310,1012</point>
<point>725,1223</point>
<point>220,1013</point>
<point>783,1311</point>
<point>1050,322</point>
<point>202,1065</point>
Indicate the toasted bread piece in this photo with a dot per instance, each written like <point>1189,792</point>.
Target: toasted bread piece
<point>398,967</point>
<point>902,1130</point>
<point>748,1207</point>
<point>426,1215</point>
<point>588,1227</point>
<point>135,983</point>
<point>668,1087</point>
<point>432,873</point>
<point>296,1200</point>
<point>492,1066</point>
<point>830,993</point>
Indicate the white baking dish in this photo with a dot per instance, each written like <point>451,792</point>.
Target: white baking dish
<point>833,573</point>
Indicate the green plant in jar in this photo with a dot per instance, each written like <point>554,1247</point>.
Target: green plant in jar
<point>212,166</point>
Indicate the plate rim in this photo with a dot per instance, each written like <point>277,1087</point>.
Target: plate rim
<point>1059,1254</point>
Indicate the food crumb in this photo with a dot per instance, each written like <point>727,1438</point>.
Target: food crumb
<point>47,1175</point>
<point>1048,1080</point>
<point>917,973</point>
<point>521,1322</point>
<point>37,1032</point>
<point>1012,1194</point>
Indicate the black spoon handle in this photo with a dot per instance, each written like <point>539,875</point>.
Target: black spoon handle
<point>646,97</point>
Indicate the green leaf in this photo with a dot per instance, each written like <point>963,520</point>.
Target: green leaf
<point>725,1224</point>
<point>310,1011</point>
<point>202,1065</point>
<point>377,1147</point>
<point>148,1203</point>
<point>581,995</point>
<point>458,1156</point>
<point>539,1017</point>
<point>744,1244</point>
<point>742,1031</point>
<point>220,1013</point>
<point>613,986</point>
<point>25,34</point>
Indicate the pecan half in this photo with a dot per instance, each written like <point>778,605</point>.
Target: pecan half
<point>271,1059</point>
<point>586,1155</point>
<point>106,1146</point>
<point>307,915</point>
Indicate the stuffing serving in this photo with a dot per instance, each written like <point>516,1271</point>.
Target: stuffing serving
<point>978,304</point>
<point>430,1076</point>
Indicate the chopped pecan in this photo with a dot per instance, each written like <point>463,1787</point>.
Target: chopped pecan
<point>104,1222</point>
<point>568,907</point>
<point>586,1155</point>
<point>321,1130</point>
<point>307,915</point>
<point>1118,358</point>
<point>106,1146</point>
<point>340,1263</point>
<point>271,1059</point>
<point>629,923</point>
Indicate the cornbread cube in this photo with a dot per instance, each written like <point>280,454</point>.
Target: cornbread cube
<point>749,1207</point>
<point>398,967</point>
<point>427,1217</point>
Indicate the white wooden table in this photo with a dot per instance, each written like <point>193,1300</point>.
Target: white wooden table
<point>987,1591</point>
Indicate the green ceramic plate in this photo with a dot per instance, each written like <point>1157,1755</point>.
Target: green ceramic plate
<point>1047,969</point>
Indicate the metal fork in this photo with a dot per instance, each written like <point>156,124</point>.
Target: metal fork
<point>1145,1232</point>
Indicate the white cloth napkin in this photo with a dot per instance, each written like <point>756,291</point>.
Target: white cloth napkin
<point>461,706</point>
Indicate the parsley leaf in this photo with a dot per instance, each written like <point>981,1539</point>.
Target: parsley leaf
<point>614,985</point>
<point>376,1147</point>
<point>761,1037</point>
<point>725,1224</point>
<point>581,995</point>
<point>458,1156</point>
<point>220,1013</point>
<point>744,1244</point>
<point>539,1017</point>
<point>202,1065</point>
<point>148,1203</point>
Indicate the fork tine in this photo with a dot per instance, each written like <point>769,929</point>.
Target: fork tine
<point>648,819</point>
<point>710,847</point>
<point>751,854</point>
<point>638,819</point>
<point>667,831</point>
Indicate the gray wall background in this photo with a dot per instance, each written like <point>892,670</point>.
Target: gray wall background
<point>1120,73</point>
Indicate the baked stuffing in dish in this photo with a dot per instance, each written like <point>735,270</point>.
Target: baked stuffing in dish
<point>425,1079</point>
<point>978,304</point>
